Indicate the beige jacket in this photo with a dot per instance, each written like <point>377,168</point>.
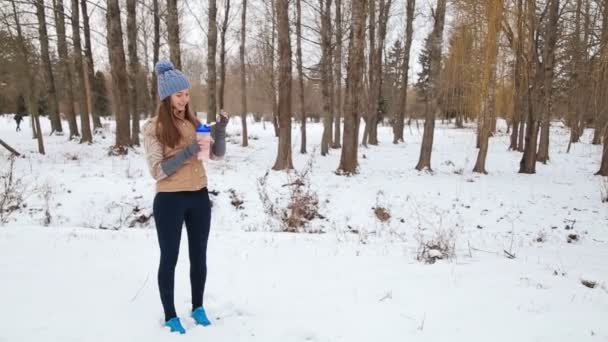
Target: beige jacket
<point>191,176</point>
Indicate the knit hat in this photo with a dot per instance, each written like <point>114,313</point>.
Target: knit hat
<point>170,80</point>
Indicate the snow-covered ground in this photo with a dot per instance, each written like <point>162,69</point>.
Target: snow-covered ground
<point>90,273</point>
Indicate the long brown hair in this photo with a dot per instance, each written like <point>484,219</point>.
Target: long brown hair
<point>166,131</point>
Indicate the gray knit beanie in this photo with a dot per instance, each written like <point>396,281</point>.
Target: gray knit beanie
<point>170,80</point>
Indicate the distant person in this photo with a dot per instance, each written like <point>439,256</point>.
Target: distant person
<point>18,119</point>
<point>175,154</point>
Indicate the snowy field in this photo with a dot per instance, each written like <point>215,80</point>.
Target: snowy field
<point>76,265</point>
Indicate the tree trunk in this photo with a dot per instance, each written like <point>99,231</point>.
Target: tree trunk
<point>384,10</point>
<point>211,72</point>
<point>354,72</point>
<point>283,161</point>
<point>116,54</point>
<point>603,77</point>
<point>371,104</point>
<point>273,89</point>
<point>435,41</point>
<point>79,75</point>
<point>9,148</point>
<point>300,75</point>
<point>338,76</point>
<point>173,32</point>
<point>326,74</point>
<point>548,63</point>
<point>488,89</point>
<point>133,69</point>
<point>155,52</point>
<point>518,93</point>
<point>245,142</point>
<point>56,126</point>
<point>223,55</point>
<point>89,64</point>
<point>409,37</point>
<point>64,62</point>
<point>30,90</point>
<point>528,160</point>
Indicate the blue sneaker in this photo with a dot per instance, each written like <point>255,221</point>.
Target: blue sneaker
<point>175,325</point>
<point>200,316</point>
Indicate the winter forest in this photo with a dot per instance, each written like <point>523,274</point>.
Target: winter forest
<point>394,169</point>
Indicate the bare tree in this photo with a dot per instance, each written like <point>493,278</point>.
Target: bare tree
<point>300,75</point>
<point>488,87</point>
<point>548,75</point>
<point>223,31</point>
<point>354,72</point>
<point>283,161</point>
<point>133,69</point>
<point>384,8</point>
<point>118,65</point>
<point>89,64</point>
<point>603,171</point>
<point>338,76</point>
<point>326,74</point>
<point>48,71</point>
<point>434,42</point>
<point>62,48</point>
<point>211,52</point>
<point>533,72</point>
<point>155,50</point>
<point>517,45</point>
<point>30,85</point>
<point>244,74</point>
<point>409,37</point>
<point>79,75</point>
<point>173,31</point>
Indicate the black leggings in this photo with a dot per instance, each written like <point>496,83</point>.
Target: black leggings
<point>171,209</point>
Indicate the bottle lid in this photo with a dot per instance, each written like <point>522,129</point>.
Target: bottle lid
<point>203,128</point>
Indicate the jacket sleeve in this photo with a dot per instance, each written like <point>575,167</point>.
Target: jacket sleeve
<point>154,151</point>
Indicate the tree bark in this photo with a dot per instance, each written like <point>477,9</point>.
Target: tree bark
<point>338,76</point>
<point>488,89</point>
<point>548,75</point>
<point>371,104</point>
<point>603,77</point>
<point>223,32</point>
<point>89,63</point>
<point>384,10</point>
<point>116,54</point>
<point>64,62</point>
<point>518,93</point>
<point>435,41</point>
<point>56,126</point>
<point>273,89</point>
<point>155,52</point>
<point>245,141</point>
<point>9,148</point>
<point>30,90</point>
<point>284,161</point>
<point>528,160</point>
<point>354,72</point>
<point>173,32</point>
<point>211,71</point>
<point>409,37</point>
<point>300,76</point>
<point>79,75</point>
<point>133,69</point>
<point>326,74</point>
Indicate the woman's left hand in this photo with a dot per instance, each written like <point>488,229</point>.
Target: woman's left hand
<point>224,117</point>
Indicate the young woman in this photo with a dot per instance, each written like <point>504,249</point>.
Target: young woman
<point>172,147</point>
